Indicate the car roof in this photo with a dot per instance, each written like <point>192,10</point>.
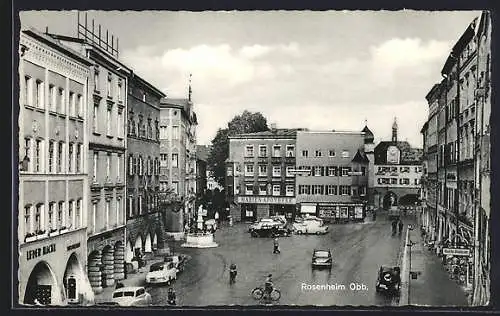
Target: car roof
<point>128,288</point>
<point>158,264</point>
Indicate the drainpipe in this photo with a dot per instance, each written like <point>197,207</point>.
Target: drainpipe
<point>445,165</point>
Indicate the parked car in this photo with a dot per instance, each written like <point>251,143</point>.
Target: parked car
<point>267,230</point>
<point>279,218</point>
<point>388,280</point>
<point>177,260</point>
<point>310,225</point>
<point>131,296</point>
<point>322,258</point>
<point>264,221</point>
<point>161,272</point>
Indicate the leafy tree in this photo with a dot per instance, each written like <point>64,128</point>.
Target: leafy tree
<point>247,122</point>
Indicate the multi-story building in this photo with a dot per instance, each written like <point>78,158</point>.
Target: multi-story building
<point>260,179</point>
<point>463,113</point>
<point>397,174</point>
<point>178,124</point>
<point>429,179</point>
<point>332,175</point>
<point>53,186</point>
<point>201,169</point>
<point>107,99</point>
<point>145,227</point>
<point>482,165</point>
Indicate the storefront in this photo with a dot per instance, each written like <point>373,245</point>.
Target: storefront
<point>257,207</point>
<point>341,212</point>
<point>457,254</point>
<point>51,270</point>
<point>106,258</point>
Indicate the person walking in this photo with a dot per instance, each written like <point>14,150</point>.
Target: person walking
<point>171,297</point>
<point>400,226</point>
<point>394,227</point>
<point>276,248</point>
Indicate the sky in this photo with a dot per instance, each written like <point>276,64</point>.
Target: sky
<point>320,70</point>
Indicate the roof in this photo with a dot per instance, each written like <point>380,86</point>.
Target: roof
<point>360,157</point>
<point>49,40</point>
<point>147,84</point>
<point>459,46</point>
<point>368,134</point>
<point>409,155</point>
<point>277,133</point>
<point>202,152</point>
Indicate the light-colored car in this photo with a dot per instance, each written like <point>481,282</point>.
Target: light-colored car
<point>177,260</point>
<point>310,225</point>
<point>131,296</point>
<point>264,221</point>
<point>161,272</point>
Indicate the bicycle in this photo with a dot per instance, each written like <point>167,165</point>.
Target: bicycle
<point>258,293</point>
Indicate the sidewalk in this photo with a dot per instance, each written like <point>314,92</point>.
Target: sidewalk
<point>433,286</point>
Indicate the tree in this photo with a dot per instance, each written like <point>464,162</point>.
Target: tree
<point>247,122</point>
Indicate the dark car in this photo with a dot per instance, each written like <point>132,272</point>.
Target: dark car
<point>271,231</point>
<point>322,258</point>
<point>388,280</point>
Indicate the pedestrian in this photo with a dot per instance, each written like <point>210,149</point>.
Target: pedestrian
<point>119,285</point>
<point>394,224</point>
<point>276,248</point>
<point>171,297</point>
<point>216,217</point>
<point>400,226</point>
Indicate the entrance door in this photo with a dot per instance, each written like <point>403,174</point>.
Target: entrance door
<point>44,294</point>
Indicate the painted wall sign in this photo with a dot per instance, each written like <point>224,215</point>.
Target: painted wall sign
<point>38,252</point>
<point>265,200</point>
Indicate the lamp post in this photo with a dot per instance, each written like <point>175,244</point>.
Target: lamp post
<point>409,243</point>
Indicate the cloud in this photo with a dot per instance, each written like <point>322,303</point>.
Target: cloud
<point>408,54</point>
<point>255,51</point>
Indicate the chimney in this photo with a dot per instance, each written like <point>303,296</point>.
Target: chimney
<point>273,127</point>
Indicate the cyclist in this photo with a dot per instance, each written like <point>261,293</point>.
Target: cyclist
<point>276,248</point>
<point>268,285</point>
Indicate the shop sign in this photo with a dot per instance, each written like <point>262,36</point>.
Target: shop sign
<point>73,246</point>
<point>265,200</point>
<point>456,252</point>
<point>355,173</point>
<point>38,252</point>
<point>358,212</point>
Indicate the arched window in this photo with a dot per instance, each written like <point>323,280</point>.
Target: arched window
<point>130,165</point>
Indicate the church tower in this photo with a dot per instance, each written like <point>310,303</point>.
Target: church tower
<point>395,131</point>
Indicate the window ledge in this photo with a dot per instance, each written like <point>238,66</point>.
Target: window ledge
<point>109,136</point>
<point>96,133</point>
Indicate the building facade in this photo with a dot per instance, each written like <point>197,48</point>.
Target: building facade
<point>201,169</point>
<point>463,163</point>
<point>482,165</point>
<point>107,99</point>
<point>53,185</point>
<point>397,173</point>
<point>145,227</point>
<point>332,175</point>
<point>178,124</point>
<point>260,179</point>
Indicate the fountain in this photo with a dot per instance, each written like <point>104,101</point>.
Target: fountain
<point>199,239</point>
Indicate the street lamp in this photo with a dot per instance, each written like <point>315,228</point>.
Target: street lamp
<point>409,243</point>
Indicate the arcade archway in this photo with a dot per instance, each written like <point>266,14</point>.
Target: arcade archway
<point>129,252</point>
<point>108,266</point>
<point>73,279</point>
<point>119,261</point>
<point>94,271</point>
<point>390,199</point>
<point>138,244</point>
<point>147,243</point>
<point>42,286</point>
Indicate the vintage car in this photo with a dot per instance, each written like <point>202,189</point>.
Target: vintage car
<point>388,280</point>
<point>264,221</point>
<point>178,260</point>
<point>310,225</point>
<point>131,296</point>
<point>322,258</point>
<point>271,231</point>
<point>161,272</point>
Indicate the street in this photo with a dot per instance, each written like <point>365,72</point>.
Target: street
<point>358,250</point>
